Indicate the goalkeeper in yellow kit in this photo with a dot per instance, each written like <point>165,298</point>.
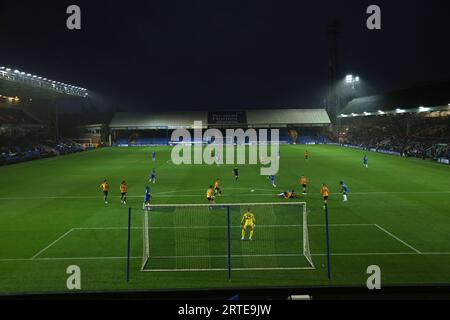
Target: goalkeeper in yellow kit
<point>248,222</point>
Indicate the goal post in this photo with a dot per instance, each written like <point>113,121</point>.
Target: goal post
<point>207,237</point>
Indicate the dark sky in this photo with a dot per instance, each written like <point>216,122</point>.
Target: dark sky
<point>155,55</point>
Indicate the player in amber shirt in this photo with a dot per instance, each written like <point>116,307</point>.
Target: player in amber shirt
<point>325,194</point>
<point>123,192</point>
<point>105,188</point>
<point>306,155</point>
<point>210,194</point>
<point>217,189</point>
<point>304,182</point>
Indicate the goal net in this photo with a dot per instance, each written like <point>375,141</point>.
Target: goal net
<point>209,238</point>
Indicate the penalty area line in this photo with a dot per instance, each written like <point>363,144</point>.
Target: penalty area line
<point>51,244</point>
<point>398,239</point>
<point>249,256</point>
<point>223,227</point>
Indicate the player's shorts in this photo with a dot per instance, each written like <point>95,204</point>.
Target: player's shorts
<point>249,225</point>
<point>123,194</point>
<point>325,198</point>
<point>210,199</point>
<point>105,192</point>
<point>304,186</point>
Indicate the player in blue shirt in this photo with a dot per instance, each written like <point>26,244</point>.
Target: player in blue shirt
<point>366,161</point>
<point>154,155</point>
<point>272,180</point>
<point>345,191</point>
<point>153,176</point>
<point>147,197</point>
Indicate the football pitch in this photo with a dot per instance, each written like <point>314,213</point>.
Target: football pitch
<point>52,216</point>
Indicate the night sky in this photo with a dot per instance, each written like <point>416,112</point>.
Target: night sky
<point>184,55</point>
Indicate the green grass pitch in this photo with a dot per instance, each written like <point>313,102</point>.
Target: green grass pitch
<point>52,216</point>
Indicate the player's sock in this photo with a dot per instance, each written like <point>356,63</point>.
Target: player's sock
<point>345,197</point>
<point>251,234</point>
<point>243,234</point>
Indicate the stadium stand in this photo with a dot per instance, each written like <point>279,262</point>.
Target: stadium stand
<point>15,117</point>
<point>295,125</point>
<point>25,138</point>
<point>413,122</point>
<point>406,135</point>
<point>32,147</point>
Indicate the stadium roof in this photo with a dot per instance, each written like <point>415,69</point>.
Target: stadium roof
<point>173,120</point>
<point>427,97</point>
<point>41,82</point>
<point>279,117</point>
<point>155,120</point>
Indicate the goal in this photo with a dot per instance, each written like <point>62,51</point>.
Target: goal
<point>194,237</point>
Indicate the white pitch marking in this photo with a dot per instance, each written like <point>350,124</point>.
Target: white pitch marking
<point>398,239</point>
<point>51,244</point>
<point>224,269</point>
<point>316,254</point>
<point>223,227</point>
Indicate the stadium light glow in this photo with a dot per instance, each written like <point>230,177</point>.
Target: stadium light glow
<point>398,110</point>
<point>351,80</point>
<point>21,76</point>
<point>423,109</point>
